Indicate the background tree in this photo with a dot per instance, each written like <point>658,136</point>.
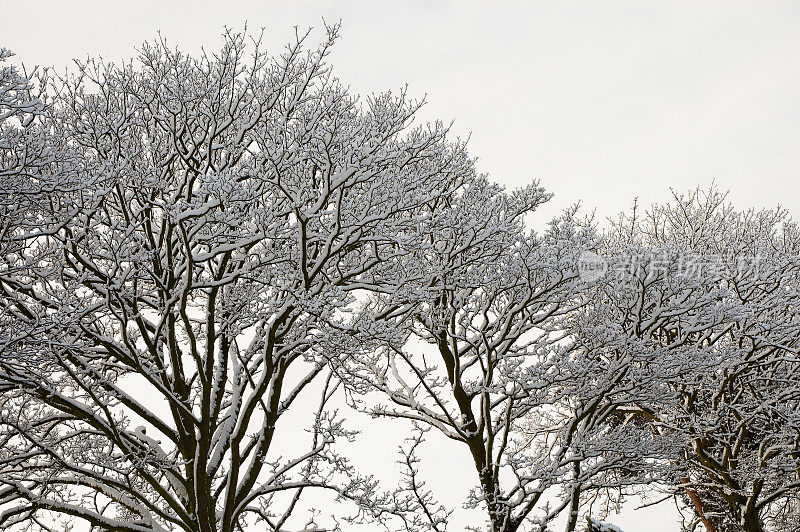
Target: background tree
<point>171,281</point>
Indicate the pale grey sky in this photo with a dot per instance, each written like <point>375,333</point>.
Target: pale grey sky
<point>601,101</point>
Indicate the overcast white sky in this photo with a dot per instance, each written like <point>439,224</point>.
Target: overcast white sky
<point>600,101</point>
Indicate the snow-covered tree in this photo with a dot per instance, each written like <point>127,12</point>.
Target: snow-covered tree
<point>593,525</point>
<point>19,97</point>
<point>713,293</point>
<point>177,262</point>
<point>475,343</point>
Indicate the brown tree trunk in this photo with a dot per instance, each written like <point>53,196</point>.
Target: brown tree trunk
<point>698,505</point>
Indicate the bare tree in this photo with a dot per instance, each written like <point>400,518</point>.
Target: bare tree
<point>172,280</point>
